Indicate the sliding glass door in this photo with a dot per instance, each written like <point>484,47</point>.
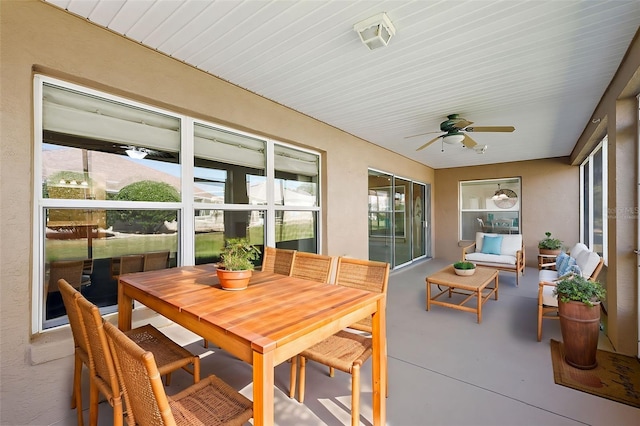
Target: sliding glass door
<point>397,219</point>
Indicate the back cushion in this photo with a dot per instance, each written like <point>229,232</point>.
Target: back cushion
<point>492,245</point>
<point>511,244</point>
<point>575,250</point>
<point>587,261</point>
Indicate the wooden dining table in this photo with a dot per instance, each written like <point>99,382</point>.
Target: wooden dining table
<point>275,318</point>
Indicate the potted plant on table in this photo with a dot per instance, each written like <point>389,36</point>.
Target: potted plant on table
<point>464,268</point>
<point>579,310</point>
<point>236,266</point>
<point>549,245</point>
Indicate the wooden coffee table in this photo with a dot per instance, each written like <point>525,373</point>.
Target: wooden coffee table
<point>473,286</point>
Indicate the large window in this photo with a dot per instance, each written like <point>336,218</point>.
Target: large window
<point>593,200</point>
<point>118,179</point>
<point>489,206</point>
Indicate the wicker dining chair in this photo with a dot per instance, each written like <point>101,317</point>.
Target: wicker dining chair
<point>169,354</point>
<point>311,266</point>
<point>81,351</point>
<point>278,260</point>
<point>346,350</point>
<point>69,270</point>
<point>209,402</point>
<point>155,260</point>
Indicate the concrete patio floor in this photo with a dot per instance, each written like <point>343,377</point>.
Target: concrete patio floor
<point>444,368</point>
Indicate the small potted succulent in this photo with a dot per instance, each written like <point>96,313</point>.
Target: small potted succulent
<point>236,265</point>
<point>464,268</point>
<point>579,310</point>
<point>549,245</point>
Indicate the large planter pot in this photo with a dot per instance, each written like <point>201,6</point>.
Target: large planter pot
<point>580,327</point>
<point>233,280</point>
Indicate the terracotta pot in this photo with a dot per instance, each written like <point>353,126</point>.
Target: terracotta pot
<point>233,280</point>
<point>549,251</point>
<point>580,326</point>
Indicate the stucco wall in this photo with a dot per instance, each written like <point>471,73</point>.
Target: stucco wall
<point>36,370</point>
<point>549,202</point>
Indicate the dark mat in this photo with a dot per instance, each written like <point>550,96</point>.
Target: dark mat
<point>617,377</point>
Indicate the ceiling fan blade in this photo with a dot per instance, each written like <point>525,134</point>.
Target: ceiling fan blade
<point>468,142</point>
<point>429,143</point>
<point>461,123</point>
<point>421,134</point>
<point>490,129</point>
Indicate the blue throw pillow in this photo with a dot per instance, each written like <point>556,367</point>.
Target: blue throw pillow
<point>491,245</point>
<point>567,264</point>
<point>561,262</point>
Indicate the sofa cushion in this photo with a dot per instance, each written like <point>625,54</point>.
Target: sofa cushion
<point>587,261</point>
<point>575,250</point>
<point>492,245</point>
<point>491,258</point>
<point>547,275</point>
<point>511,244</point>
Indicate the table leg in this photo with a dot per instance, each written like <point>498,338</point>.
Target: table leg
<point>263,382</point>
<point>428,294</point>
<point>479,297</point>
<point>379,364</point>
<point>125,306</point>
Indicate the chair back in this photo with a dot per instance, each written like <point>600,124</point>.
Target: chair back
<point>101,365</point>
<point>311,266</point>
<point>147,401</point>
<point>131,263</point>
<point>366,275</point>
<point>69,270</point>
<point>277,260</point>
<point>155,260</point>
<point>69,297</point>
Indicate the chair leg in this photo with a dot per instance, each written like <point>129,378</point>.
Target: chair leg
<point>539,322</point>
<point>292,377</point>
<point>93,403</point>
<point>332,371</point>
<point>76,395</point>
<point>355,395</point>
<point>118,414</point>
<point>303,362</point>
<point>167,380</point>
<point>205,343</point>
<point>196,370</point>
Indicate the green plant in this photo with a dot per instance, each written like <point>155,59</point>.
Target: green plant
<point>577,288</point>
<point>464,265</point>
<point>237,254</point>
<point>549,243</point>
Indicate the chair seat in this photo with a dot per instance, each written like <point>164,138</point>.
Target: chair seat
<point>210,402</point>
<point>341,350</point>
<point>168,354</point>
<point>548,298</point>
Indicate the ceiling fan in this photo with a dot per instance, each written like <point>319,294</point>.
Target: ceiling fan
<point>455,128</point>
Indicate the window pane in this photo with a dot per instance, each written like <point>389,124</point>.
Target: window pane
<point>214,226</point>
<point>380,216</point>
<point>93,147</point>
<point>296,177</point>
<point>489,206</point>
<point>597,202</point>
<point>98,238</point>
<point>297,230</point>
<point>229,167</point>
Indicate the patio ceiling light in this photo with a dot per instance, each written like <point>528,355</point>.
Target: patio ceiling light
<point>376,31</point>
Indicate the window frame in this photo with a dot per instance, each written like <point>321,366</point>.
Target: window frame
<point>587,206</point>
<point>186,207</point>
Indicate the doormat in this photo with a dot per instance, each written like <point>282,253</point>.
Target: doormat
<point>617,377</point>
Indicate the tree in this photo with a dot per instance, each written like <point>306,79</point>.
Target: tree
<point>144,221</point>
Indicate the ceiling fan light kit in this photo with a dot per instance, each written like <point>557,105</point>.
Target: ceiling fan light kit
<point>375,32</point>
<point>453,138</point>
<point>137,153</point>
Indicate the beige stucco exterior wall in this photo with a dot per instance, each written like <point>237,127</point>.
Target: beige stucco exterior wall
<point>549,202</point>
<point>36,370</point>
<point>617,113</point>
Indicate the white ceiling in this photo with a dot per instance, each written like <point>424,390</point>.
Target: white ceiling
<point>540,66</point>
